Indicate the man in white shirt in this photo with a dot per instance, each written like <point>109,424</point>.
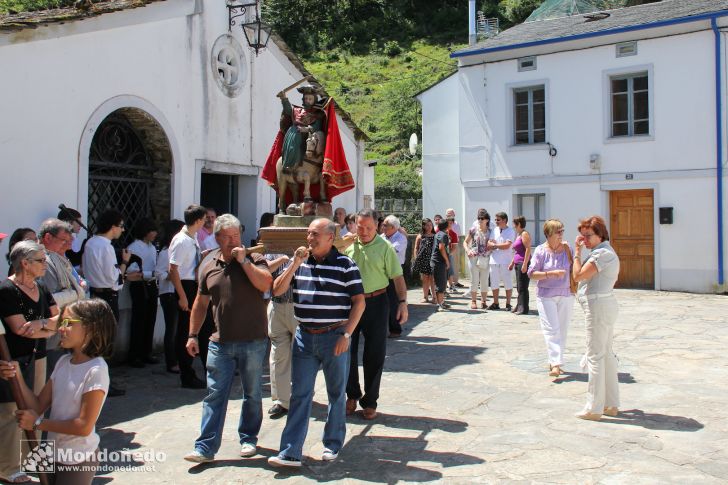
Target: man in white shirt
<point>184,257</point>
<point>104,275</point>
<point>398,240</point>
<point>455,227</point>
<point>500,258</point>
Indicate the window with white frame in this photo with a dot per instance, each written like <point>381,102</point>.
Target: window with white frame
<point>630,105</point>
<point>533,208</point>
<point>529,116</point>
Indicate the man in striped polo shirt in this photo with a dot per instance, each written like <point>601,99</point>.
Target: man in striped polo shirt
<point>328,300</point>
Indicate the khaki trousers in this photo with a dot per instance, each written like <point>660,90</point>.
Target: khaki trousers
<point>281,330</point>
<point>603,390</point>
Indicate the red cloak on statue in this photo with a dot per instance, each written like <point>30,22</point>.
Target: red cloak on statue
<point>335,170</point>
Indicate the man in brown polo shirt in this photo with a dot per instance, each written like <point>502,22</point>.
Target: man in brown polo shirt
<point>233,282</point>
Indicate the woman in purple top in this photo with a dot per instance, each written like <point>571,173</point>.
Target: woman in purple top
<point>521,258</point>
<point>551,266</point>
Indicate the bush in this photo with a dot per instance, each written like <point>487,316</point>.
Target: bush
<point>392,48</point>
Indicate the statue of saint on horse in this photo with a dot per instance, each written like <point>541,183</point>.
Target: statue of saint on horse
<point>301,160</point>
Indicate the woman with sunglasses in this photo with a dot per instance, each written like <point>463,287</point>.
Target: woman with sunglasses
<point>596,277</point>
<point>551,267</point>
<point>476,247</point>
<point>75,392</point>
<point>26,308</point>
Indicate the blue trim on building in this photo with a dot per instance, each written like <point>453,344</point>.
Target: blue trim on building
<point>588,35</point>
<point>719,143</point>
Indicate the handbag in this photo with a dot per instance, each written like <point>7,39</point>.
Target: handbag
<point>572,282</point>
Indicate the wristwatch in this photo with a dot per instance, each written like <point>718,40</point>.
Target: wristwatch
<point>37,422</point>
<point>347,335</point>
<point>192,335</point>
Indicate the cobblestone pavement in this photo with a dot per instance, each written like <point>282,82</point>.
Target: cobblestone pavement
<point>466,398</point>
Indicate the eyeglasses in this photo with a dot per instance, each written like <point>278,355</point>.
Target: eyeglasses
<point>67,322</point>
<point>587,236</point>
<point>120,226</point>
<point>65,240</point>
<point>38,260</point>
<point>483,219</point>
<point>560,231</point>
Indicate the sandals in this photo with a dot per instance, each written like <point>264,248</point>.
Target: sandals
<point>473,305</point>
<point>555,370</point>
<point>424,300</point>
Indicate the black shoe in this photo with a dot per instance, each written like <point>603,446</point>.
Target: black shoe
<point>395,334</point>
<point>494,306</point>
<point>276,411</point>
<point>509,308</point>
<point>115,391</point>
<point>459,285</point>
<point>136,363</point>
<point>173,369</point>
<point>151,360</point>
<point>193,383</point>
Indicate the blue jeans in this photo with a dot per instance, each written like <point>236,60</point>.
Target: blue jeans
<point>222,360</point>
<point>311,352</point>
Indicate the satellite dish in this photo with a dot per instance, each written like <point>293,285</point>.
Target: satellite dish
<point>413,144</point>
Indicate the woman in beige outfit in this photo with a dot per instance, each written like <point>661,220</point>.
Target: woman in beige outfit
<point>596,278</point>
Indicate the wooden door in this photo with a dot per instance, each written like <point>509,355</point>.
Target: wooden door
<point>632,236</point>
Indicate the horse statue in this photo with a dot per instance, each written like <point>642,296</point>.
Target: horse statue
<point>306,172</point>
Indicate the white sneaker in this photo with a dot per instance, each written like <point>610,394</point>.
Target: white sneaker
<point>284,462</point>
<point>248,450</point>
<point>329,455</point>
<point>197,457</point>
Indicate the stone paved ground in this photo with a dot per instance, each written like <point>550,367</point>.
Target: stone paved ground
<point>466,398</point>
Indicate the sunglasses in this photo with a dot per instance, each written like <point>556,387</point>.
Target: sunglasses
<point>68,323</point>
<point>483,219</point>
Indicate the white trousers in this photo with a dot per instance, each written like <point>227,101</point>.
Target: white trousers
<point>555,314</point>
<point>603,389</point>
<point>499,273</point>
<point>281,330</point>
<point>478,276</point>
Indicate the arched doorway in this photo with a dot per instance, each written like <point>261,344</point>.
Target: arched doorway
<point>130,166</point>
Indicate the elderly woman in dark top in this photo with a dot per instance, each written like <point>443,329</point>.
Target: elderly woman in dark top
<point>29,316</point>
<point>596,277</point>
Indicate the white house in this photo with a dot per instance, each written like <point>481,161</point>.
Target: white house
<point>146,108</point>
<point>618,113</point>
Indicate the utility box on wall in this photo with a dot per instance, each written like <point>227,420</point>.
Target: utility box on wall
<point>665,215</point>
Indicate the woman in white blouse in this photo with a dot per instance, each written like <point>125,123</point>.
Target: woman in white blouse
<point>596,277</point>
<point>144,294</point>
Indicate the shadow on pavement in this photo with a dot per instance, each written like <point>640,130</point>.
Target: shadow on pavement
<point>637,417</point>
<point>623,377</point>
<point>367,456</point>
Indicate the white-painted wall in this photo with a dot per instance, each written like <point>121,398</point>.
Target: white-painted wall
<point>60,81</point>
<point>440,175</point>
<point>677,160</point>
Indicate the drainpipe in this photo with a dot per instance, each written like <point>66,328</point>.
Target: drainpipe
<point>471,23</point>
<point>719,144</point>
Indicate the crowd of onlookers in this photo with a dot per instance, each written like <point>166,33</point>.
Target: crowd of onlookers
<point>221,304</point>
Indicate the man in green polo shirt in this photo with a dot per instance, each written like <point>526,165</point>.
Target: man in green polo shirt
<point>378,263</point>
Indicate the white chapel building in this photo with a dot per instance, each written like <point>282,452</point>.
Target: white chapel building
<point>619,113</point>
<point>146,107</point>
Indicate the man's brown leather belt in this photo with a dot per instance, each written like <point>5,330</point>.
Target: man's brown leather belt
<point>316,331</point>
<point>375,293</point>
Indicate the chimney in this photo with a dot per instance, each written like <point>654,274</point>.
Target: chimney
<point>472,36</point>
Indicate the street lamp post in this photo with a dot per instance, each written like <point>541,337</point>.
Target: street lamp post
<point>256,32</point>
